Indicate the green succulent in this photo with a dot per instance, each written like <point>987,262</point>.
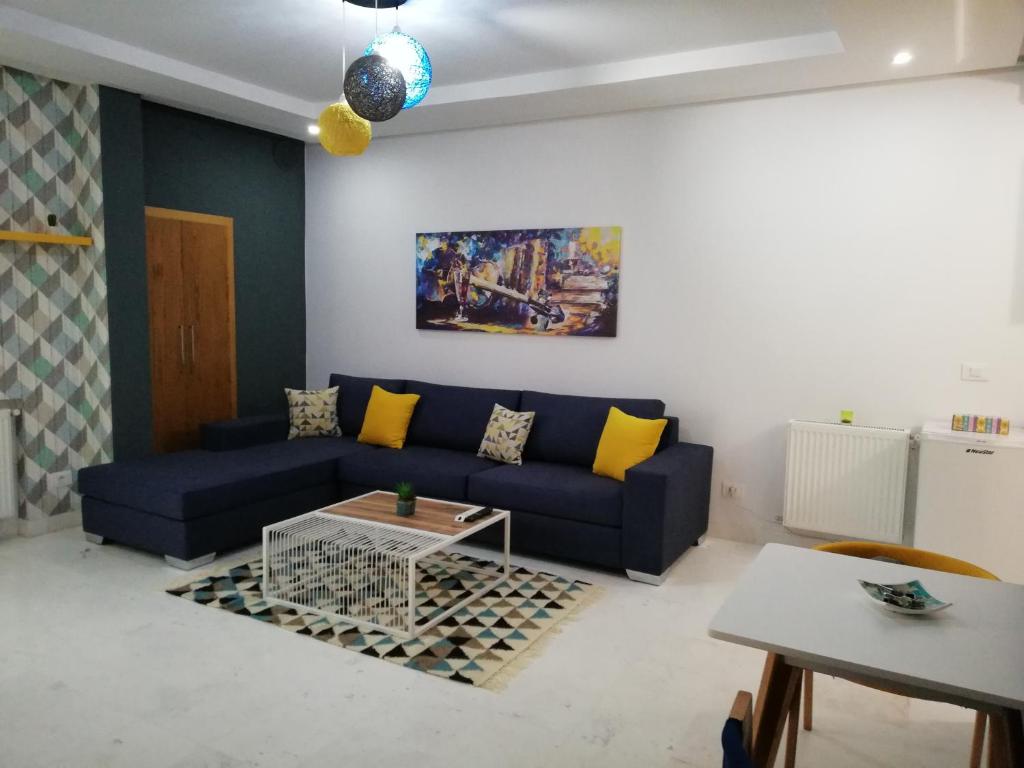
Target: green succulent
<point>405,491</point>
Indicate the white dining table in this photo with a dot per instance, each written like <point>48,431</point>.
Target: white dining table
<point>806,609</point>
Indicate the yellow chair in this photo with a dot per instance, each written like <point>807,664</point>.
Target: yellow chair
<point>915,558</point>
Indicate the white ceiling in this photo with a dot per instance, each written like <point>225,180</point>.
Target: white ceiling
<point>275,63</point>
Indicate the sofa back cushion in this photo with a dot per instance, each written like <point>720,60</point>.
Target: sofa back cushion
<point>671,434</point>
<point>454,417</point>
<point>567,428</point>
<point>354,394</point>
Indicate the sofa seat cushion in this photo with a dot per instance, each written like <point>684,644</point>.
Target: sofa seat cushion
<point>567,428</point>
<point>193,484</point>
<point>564,491</point>
<point>436,472</point>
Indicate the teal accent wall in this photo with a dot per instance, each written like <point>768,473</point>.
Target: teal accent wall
<point>127,299</point>
<point>200,164</point>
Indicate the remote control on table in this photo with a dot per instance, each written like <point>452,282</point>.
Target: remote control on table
<point>471,515</point>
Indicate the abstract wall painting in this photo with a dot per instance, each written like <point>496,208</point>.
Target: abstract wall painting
<point>546,282</point>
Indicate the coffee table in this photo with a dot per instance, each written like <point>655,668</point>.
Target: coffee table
<point>358,561</point>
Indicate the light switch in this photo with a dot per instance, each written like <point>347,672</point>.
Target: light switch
<point>974,371</point>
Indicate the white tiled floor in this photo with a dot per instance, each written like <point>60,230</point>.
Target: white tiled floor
<point>98,667</point>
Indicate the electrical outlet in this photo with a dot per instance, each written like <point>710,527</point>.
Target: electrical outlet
<point>58,481</point>
<point>974,371</point>
<point>732,490</point>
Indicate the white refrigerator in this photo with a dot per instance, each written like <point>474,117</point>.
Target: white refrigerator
<point>970,498</point>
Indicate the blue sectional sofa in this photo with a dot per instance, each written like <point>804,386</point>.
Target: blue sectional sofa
<point>187,506</point>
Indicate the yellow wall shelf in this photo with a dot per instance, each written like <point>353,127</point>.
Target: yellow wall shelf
<point>44,237</point>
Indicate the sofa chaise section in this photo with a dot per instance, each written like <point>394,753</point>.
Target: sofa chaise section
<point>189,505</point>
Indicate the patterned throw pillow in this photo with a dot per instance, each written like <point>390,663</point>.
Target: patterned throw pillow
<point>505,436</point>
<point>313,413</point>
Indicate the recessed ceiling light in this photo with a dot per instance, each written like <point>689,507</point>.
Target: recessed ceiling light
<point>903,57</point>
<point>314,129</point>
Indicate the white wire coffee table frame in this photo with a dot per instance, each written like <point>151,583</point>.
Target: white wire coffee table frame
<point>307,558</point>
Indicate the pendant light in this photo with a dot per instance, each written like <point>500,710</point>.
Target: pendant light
<point>342,131</point>
<point>408,56</point>
<point>374,88</point>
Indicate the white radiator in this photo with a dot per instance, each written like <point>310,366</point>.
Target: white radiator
<point>846,481</point>
<point>8,464</point>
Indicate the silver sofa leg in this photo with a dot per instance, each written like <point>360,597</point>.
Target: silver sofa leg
<point>646,578</point>
<point>188,565</point>
<point>94,538</point>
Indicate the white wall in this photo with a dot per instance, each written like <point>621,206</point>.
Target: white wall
<point>782,257</point>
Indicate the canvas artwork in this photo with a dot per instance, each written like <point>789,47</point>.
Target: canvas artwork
<point>550,282</point>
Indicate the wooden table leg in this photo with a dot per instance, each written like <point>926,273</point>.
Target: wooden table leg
<point>808,699</point>
<point>1005,739</point>
<point>793,725</point>
<point>978,739</point>
<point>774,701</point>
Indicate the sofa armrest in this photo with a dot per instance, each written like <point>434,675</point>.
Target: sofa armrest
<point>233,434</point>
<point>665,507</point>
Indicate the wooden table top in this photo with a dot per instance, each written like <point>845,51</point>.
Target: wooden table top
<point>807,606</point>
<point>432,515</point>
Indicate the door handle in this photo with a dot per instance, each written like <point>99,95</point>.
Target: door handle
<point>181,335</point>
<point>192,330</point>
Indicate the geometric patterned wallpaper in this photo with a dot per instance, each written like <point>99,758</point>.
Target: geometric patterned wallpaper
<point>53,299</point>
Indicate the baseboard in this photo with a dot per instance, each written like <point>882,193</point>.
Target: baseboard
<point>34,527</point>
<point>67,520</point>
<point>43,525</point>
<point>8,528</point>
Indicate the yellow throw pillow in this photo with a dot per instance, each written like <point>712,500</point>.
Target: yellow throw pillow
<point>387,418</point>
<point>625,442</point>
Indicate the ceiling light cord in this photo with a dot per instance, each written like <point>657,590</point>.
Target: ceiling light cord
<point>344,53</point>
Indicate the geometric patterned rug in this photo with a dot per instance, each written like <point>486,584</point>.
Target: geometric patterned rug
<point>477,645</point>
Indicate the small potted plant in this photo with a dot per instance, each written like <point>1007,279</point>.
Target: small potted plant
<point>406,504</point>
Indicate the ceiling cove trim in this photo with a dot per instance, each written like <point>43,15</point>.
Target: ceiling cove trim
<point>67,36</point>
<point>212,84</point>
<point>171,81</point>
<point>668,65</point>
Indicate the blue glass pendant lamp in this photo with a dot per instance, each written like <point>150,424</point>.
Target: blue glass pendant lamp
<point>405,54</point>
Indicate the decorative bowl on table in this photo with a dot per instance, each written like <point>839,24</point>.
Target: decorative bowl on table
<point>910,597</point>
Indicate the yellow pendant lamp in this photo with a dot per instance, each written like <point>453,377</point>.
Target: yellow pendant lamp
<point>342,131</point>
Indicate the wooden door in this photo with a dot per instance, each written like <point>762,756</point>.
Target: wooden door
<point>210,314</point>
<point>167,349</point>
<point>190,261</point>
